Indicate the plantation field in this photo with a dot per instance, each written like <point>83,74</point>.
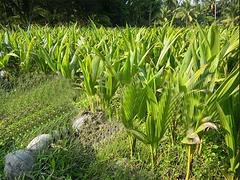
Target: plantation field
<point>163,101</point>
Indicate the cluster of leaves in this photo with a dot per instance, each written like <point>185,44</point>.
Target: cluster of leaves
<point>197,77</point>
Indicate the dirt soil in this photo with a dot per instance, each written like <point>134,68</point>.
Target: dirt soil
<point>96,128</point>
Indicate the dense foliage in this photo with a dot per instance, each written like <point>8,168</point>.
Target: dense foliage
<point>156,81</point>
<point>118,12</point>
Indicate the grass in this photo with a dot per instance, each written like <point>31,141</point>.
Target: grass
<point>33,107</point>
<point>111,160</point>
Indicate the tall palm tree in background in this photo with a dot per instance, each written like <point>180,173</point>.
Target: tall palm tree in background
<point>230,10</point>
<point>120,12</point>
<point>186,12</point>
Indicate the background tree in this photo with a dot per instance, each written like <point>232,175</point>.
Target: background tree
<point>118,12</point>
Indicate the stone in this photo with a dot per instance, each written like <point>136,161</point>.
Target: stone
<point>77,123</point>
<point>3,73</point>
<point>65,132</point>
<point>56,135</point>
<point>40,142</point>
<point>18,163</point>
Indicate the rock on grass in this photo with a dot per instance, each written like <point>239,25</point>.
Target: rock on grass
<point>18,163</point>
<point>40,143</point>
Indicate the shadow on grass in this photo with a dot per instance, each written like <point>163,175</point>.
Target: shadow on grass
<point>121,169</point>
<point>66,159</point>
<point>70,159</point>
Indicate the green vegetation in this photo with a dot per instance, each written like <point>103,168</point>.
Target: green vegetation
<point>32,108</point>
<point>119,12</point>
<point>167,86</point>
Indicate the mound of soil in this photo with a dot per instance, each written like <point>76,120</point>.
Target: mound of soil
<point>97,128</point>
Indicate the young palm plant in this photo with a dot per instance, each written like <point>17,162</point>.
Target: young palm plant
<point>192,87</point>
<point>197,122</point>
<point>157,122</point>
<point>225,103</point>
<point>91,69</point>
<point>229,116</point>
<point>133,110</point>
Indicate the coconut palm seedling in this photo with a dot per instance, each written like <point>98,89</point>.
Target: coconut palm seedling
<point>21,45</point>
<point>157,121</point>
<point>109,80</point>
<point>141,108</point>
<point>225,102</point>
<point>120,69</point>
<point>197,123</point>
<point>25,49</point>
<point>138,47</point>
<point>4,58</point>
<point>91,68</point>
<point>167,41</point>
<point>133,110</point>
<point>192,87</point>
<point>108,86</point>
<point>229,117</point>
<point>200,108</point>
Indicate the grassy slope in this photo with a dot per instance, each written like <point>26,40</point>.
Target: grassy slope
<point>37,104</point>
<point>41,104</point>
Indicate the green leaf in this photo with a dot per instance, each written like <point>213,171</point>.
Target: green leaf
<point>140,136</point>
<point>206,125</point>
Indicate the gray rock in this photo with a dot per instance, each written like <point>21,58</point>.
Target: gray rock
<point>40,142</point>
<point>2,73</point>
<point>18,163</point>
<point>65,132</point>
<point>56,135</point>
<point>77,123</point>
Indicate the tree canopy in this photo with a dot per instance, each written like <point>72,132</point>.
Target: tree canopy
<point>118,12</point>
